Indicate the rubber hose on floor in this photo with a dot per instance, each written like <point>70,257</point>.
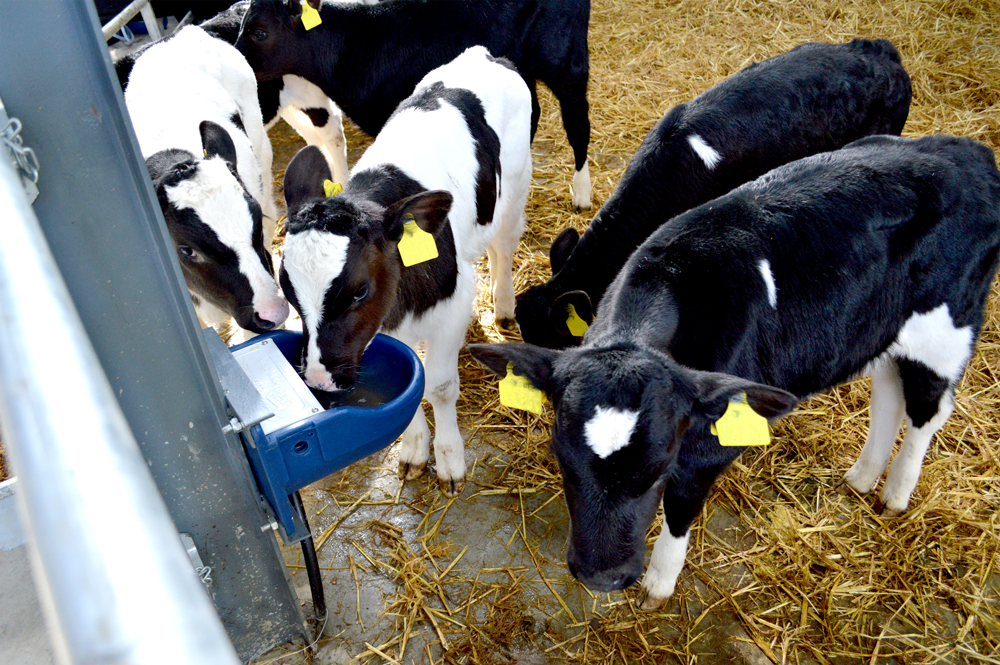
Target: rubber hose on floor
<point>312,562</point>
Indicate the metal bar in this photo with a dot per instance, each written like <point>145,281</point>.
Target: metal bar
<point>100,216</point>
<point>152,25</point>
<point>124,16</point>
<point>106,556</point>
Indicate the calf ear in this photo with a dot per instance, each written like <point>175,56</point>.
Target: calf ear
<point>559,310</point>
<point>714,390</point>
<point>216,141</point>
<point>531,361</point>
<point>429,210</point>
<point>304,178</point>
<point>562,247</point>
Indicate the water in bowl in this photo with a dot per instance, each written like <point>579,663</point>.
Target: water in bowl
<point>359,395</point>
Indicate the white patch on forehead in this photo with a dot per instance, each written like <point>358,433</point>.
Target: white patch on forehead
<point>708,154</point>
<point>932,339</point>
<point>218,198</point>
<point>313,259</point>
<point>609,430</point>
<point>220,202</point>
<point>772,289</point>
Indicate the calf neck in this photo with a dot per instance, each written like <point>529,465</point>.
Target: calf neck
<point>877,257</point>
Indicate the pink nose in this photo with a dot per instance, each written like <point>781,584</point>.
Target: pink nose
<point>274,310</point>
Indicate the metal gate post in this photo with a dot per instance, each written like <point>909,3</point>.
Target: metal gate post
<point>101,219</point>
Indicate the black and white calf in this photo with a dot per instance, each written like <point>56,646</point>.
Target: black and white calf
<point>298,102</point>
<point>369,58</point>
<point>875,258</point>
<point>455,157</point>
<point>193,103</point>
<point>816,97</point>
<point>301,104</point>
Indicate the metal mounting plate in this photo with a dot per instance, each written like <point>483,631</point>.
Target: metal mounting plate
<point>246,403</point>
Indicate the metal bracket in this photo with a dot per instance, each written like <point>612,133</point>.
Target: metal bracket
<point>22,157</point>
<point>203,571</point>
<point>248,407</point>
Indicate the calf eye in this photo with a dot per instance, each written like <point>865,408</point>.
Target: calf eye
<point>260,35</point>
<point>186,252</point>
<point>361,294</point>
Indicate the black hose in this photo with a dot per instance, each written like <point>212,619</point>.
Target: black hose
<point>312,562</point>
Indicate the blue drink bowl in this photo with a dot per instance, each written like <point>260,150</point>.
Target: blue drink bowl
<point>355,424</point>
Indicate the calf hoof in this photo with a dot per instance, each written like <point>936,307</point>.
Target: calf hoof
<point>451,488</point>
<point>885,511</point>
<point>650,603</point>
<point>409,471</point>
<point>844,488</point>
<point>506,323</point>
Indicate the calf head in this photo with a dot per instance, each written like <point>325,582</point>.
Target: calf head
<point>271,36</point>
<point>541,311</point>
<point>217,229</point>
<point>341,266</point>
<point>621,413</point>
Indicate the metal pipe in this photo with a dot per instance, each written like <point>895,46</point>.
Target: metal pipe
<point>124,16</point>
<point>113,578</point>
<point>152,24</point>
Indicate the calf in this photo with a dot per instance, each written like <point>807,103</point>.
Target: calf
<point>192,101</point>
<point>875,258</point>
<point>368,58</point>
<point>301,104</point>
<point>815,98</point>
<point>455,157</point>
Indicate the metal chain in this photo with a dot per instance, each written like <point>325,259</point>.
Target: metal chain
<point>205,573</point>
<point>26,159</point>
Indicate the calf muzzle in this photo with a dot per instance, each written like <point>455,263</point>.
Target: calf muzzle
<point>612,579</point>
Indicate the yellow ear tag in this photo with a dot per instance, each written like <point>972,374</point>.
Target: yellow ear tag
<point>576,325</point>
<point>331,188</point>
<point>310,16</point>
<point>517,392</point>
<point>416,245</point>
<point>740,425</point>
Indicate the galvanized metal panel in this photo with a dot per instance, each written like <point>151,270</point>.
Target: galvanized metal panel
<point>103,224</point>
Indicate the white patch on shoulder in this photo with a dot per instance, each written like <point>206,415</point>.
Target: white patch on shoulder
<point>609,430</point>
<point>772,289</point>
<point>931,338</point>
<point>313,259</point>
<point>708,154</point>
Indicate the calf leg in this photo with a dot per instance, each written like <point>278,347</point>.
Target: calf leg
<point>572,95</point>
<point>444,332</point>
<point>322,127</point>
<point>501,253</point>
<point>441,367</point>
<point>414,449</point>
<point>683,499</point>
<point>886,417</point>
<point>929,404</point>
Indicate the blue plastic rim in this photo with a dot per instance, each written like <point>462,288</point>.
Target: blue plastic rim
<point>292,457</point>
